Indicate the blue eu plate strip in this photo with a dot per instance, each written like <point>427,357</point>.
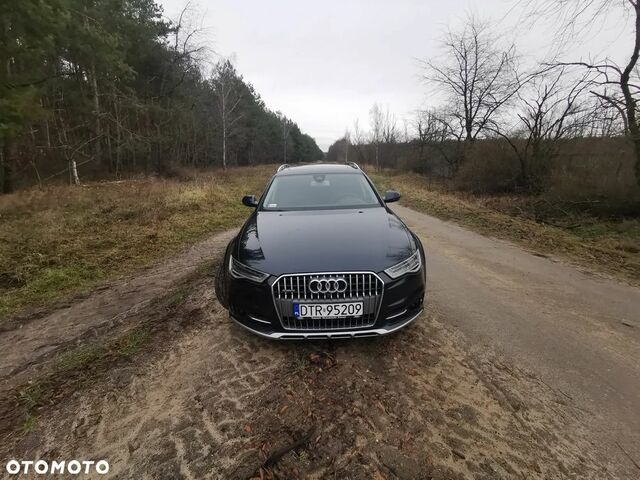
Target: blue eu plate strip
<point>296,310</point>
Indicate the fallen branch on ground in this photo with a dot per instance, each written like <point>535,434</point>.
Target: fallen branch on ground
<point>281,452</point>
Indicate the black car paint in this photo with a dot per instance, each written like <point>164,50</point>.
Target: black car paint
<point>367,239</point>
<point>304,241</point>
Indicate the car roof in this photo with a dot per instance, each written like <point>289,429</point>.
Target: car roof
<point>318,168</point>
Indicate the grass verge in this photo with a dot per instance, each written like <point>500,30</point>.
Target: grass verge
<point>604,242</point>
<point>64,240</point>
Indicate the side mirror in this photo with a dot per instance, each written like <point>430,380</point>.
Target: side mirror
<point>250,201</point>
<point>391,196</point>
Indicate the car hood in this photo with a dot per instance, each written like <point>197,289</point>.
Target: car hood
<point>368,239</point>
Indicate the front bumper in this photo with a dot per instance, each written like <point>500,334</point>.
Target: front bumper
<point>252,306</point>
<point>304,335</point>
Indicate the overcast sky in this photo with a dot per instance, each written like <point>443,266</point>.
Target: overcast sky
<point>324,64</point>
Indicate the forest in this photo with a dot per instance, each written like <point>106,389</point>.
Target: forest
<point>103,88</point>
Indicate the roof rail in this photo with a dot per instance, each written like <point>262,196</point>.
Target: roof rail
<point>353,165</point>
<point>282,167</point>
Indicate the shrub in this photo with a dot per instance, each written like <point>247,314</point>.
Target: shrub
<point>489,166</point>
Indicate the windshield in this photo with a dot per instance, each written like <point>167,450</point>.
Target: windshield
<point>320,191</point>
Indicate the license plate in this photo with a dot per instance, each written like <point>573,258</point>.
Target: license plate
<point>327,310</point>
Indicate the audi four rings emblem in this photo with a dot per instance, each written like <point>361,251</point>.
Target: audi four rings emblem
<point>327,285</point>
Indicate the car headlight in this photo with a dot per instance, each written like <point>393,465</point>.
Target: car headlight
<point>409,265</point>
<point>240,270</point>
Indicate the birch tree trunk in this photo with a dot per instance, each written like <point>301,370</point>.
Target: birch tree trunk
<point>96,112</point>
<point>224,144</point>
<point>74,172</point>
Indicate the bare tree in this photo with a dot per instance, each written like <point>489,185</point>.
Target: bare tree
<point>477,76</point>
<point>188,31</point>
<point>619,85</point>
<point>347,144</point>
<point>377,125</point>
<point>390,132</point>
<point>357,140</point>
<point>384,130</point>
<point>229,96</point>
<point>607,120</point>
<point>548,110</point>
<point>358,135</point>
<point>405,136</point>
<point>435,130</point>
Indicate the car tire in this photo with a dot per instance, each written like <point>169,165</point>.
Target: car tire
<point>220,286</point>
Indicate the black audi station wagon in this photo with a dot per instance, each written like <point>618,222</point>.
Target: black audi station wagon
<point>322,256</point>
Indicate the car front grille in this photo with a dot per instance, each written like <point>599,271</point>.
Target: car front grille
<point>296,288</point>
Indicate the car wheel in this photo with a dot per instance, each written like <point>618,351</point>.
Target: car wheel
<point>220,285</point>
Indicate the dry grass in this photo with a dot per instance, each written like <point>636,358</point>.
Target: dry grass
<point>65,240</point>
<point>610,244</point>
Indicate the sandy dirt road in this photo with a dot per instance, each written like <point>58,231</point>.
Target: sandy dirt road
<point>38,339</point>
<point>504,376</point>
<point>578,332</point>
